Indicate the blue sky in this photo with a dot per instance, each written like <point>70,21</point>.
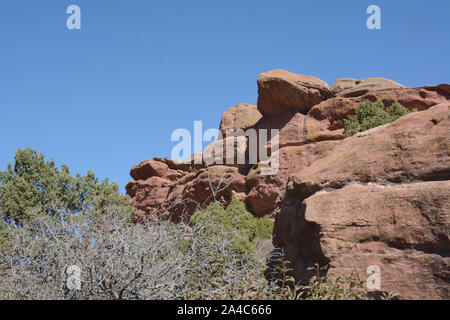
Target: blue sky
<point>109,95</point>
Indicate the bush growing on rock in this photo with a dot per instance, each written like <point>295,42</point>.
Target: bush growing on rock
<point>373,114</point>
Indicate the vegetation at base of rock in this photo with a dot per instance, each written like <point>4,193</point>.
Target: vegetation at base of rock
<point>373,114</point>
<point>79,221</point>
<point>322,287</point>
<point>348,287</point>
<point>118,259</point>
<point>247,229</point>
<point>122,260</point>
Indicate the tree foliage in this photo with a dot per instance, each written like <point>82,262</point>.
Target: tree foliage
<point>32,184</point>
<point>247,229</point>
<point>373,114</point>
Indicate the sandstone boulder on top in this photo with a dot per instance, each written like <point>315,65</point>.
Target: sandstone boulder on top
<point>280,91</point>
<point>343,84</point>
<point>370,84</point>
<point>242,116</point>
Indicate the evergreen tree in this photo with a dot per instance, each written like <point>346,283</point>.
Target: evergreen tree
<point>373,114</point>
<point>32,184</point>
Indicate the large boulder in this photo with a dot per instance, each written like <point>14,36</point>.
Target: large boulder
<point>370,84</point>
<point>280,91</point>
<point>290,125</point>
<point>231,151</point>
<point>147,169</point>
<point>217,182</point>
<point>241,116</point>
<point>401,229</point>
<point>343,84</point>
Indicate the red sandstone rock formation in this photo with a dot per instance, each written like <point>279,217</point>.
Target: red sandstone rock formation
<point>377,198</point>
<point>280,91</point>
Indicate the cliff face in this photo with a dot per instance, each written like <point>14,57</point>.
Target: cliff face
<point>377,198</point>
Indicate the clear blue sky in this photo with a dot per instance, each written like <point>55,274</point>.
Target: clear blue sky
<point>109,95</point>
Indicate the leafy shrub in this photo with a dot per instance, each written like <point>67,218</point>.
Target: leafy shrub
<point>247,230</point>
<point>373,114</point>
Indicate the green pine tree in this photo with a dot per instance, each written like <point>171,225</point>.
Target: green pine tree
<point>373,114</point>
<point>33,185</point>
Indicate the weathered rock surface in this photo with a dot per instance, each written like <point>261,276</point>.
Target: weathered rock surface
<point>444,87</point>
<point>365,204</point>
<point>343,84</point>
<point>228,151</point>
<point>280,91</point>
<point>242,116</point>
<point>379,197</point>
<point>415,147</point>
<point>332,112</point>
<point>265,189</point>
<point>371,84</point>
<point>402,229</point>
<point>147,169</point>
<point>159,198</point>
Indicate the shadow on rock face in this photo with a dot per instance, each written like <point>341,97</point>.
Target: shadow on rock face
<point>297,243</point>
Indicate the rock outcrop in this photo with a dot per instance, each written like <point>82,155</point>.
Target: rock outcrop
<point>280,91</point>
<point>401,228</point>
<point>242,116</point>
<point>377,198</point>
<point>368,85</point>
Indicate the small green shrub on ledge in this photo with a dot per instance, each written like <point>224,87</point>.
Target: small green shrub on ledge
<point>373,114</point>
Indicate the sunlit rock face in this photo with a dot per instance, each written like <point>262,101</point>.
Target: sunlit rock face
<point>378,198</point>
